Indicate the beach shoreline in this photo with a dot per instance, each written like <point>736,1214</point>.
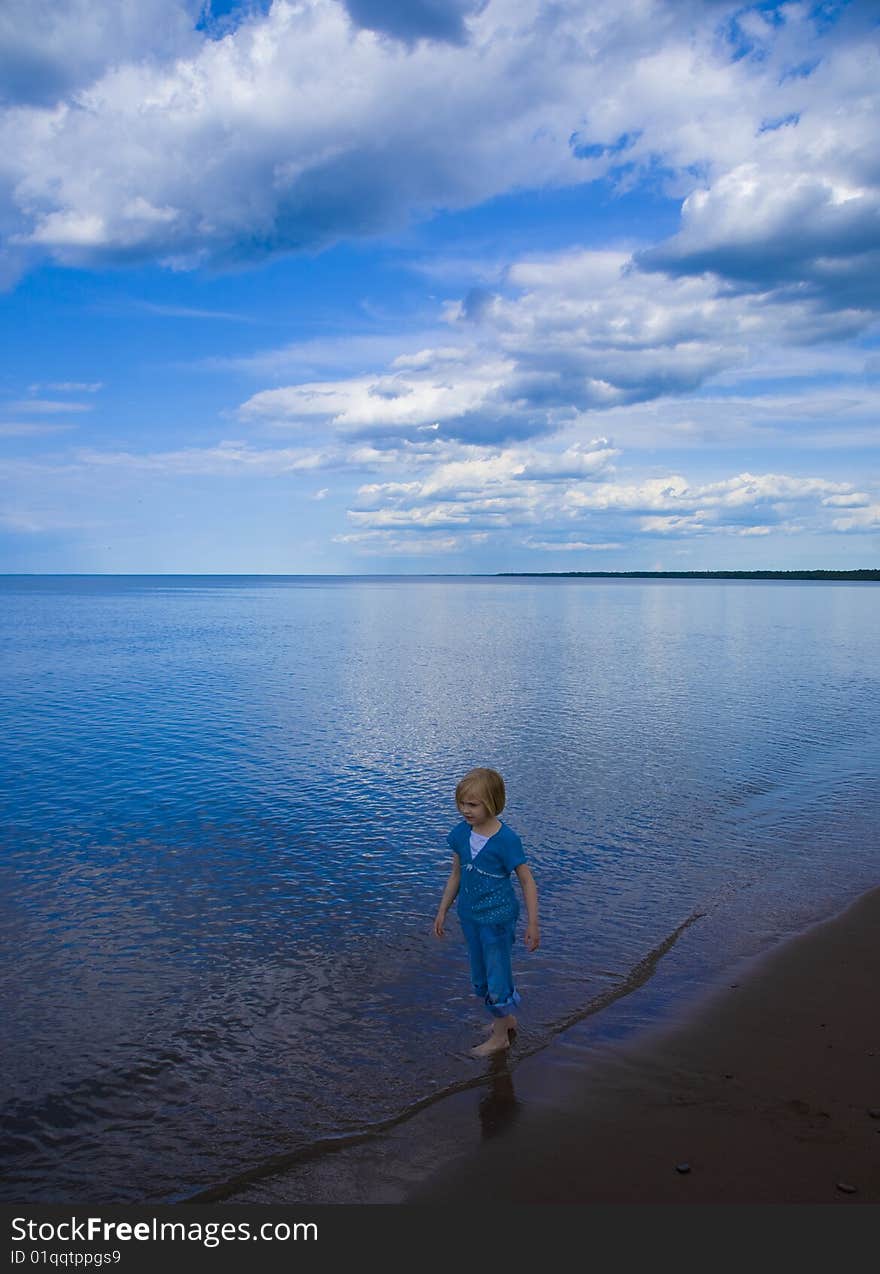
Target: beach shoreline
<point>767,1092</point>
<point>764,1089</point>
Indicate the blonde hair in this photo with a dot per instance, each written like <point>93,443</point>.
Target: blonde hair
<point>486,785</point>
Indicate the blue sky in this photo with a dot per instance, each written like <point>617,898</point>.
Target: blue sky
<point>367,286</point>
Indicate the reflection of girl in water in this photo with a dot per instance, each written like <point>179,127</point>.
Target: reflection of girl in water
<point>485,852</point>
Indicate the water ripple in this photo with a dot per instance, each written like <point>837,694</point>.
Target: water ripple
<point>224,829</point>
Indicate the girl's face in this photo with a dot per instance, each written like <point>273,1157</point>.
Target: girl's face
<point>472,810</point>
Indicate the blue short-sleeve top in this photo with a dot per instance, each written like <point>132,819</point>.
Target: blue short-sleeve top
<point>486,893</point>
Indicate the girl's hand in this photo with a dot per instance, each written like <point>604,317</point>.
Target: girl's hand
<point>439,931</point>
<point>533,938</point>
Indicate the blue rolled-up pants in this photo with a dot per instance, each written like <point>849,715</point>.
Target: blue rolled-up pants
<point>489,948</point>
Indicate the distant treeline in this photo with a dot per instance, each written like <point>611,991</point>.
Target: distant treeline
<point>789,575</point>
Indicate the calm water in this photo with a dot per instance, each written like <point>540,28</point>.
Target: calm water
<point>223,824</point>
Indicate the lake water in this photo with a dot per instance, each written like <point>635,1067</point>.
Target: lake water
<point>224,812</point>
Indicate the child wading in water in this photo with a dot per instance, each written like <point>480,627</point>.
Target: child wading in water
<point>485,852</point>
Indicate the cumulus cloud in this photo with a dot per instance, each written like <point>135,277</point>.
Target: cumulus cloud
<point>288,132</point>
<point>147,138</point>
<point>411,20</point>
<point>49,49</point>
<point>568,336</point>
<point>446,384</point>
<point>492,492</point>
<point>144,132</point>
<point>674,495</point>
<point>800,206</point>
<point>801,416</point>
<point>445,497</point>
<point>860,520</point>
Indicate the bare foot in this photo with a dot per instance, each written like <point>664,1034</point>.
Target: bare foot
<point>494,1044</point>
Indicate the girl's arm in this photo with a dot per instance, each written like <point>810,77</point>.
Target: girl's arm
<point>530,894</point>
<point>449,894</point>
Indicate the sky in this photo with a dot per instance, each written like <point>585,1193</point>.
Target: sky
<point>430,286</point>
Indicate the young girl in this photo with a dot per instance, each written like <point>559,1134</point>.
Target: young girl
<point>485,852</point>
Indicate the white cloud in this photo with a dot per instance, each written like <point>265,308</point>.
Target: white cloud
<point>573,334</point>
<point>232,458</point>
<point>52,48</point>
<point>387,404</point>
<point>412,20</point>
<point>290,131</point>
<point>798,204</point>
<point>149,139</point>
<point>485,493</point>
<point>510,411</point>
<point>568,546</point>
<point>23,429</point>
<point>372,543</point>
<point>70,387</point>
<point>674,524</point>
<point>862,519</point>
<point>854,500</point>
<point>800,418</point>
<point>128,135</point>
<point>744,491</point>
<point>191,312</point>
<point>46,406</point>
<point>451,498</point>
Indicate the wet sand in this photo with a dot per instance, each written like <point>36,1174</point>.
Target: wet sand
<point>768,1093</point>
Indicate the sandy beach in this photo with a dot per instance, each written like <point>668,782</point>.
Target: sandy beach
<point>768,1093</point>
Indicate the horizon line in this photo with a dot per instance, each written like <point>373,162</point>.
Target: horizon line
<point>623,574</point>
